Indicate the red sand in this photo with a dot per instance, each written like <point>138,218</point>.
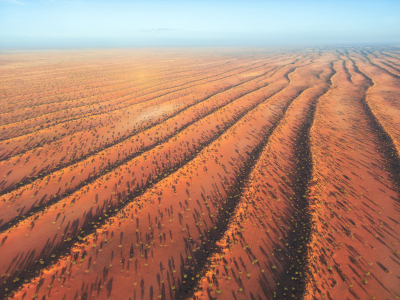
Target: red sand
<point>255,252</point>
<point>166,174</point>
<point>354,206</point>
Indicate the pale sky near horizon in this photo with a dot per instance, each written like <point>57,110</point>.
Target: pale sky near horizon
<point>97,23</point>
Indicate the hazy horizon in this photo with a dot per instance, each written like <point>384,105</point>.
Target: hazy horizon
<point>76,23</point>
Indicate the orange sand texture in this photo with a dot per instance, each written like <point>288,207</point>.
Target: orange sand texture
<point>200,174</point>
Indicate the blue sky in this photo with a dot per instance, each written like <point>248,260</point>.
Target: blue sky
<point>97,23</point>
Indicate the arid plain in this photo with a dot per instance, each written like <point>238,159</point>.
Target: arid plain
<point>200,174</point>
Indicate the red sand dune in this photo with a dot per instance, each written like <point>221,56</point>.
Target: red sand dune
<point>188,174</point>
<point>353,202</point>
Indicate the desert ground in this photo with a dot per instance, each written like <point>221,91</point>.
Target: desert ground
<point>200,174</point>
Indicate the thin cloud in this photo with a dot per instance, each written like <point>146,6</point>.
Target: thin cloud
<point>158,29</point>
<point>12,1</point>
